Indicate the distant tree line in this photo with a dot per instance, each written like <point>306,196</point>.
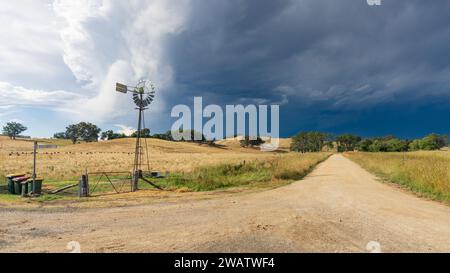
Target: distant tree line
<point>302,142</point>
<point>317,141</point>
<point>89,132</point>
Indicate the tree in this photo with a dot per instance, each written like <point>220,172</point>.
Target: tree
<point>88,131</point>
<point>166,136</point>
<point>310,142</point>
<point>110,135</point>
<point>430,142</point>
<point>247,142</point>
<point>347,142</point>
<point>60,135</point>
<point>300,143</point>
<point>414,145</point>
<point>82,131</point>
<point>364,145</point>
<point>145,133</point>
<point>434,142</point>
<point>396,145</point>
<point>13,129</point>
<point>72,133</point>
<point>197,137</point>
<point>107,135</point>
<point>329,145</point>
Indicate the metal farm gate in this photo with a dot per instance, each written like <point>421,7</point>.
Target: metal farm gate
<point>106,183</point>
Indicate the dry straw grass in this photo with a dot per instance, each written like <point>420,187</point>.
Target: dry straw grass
<point>69,161</point>
<point>426,173</point>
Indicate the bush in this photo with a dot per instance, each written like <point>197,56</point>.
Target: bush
<point>247,142</point>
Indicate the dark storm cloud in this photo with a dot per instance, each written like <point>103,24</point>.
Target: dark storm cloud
<point>325,55</point>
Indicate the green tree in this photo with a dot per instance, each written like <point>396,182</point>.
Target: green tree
<point>415,145</point>
<point>396,145</point>
<point>364,145</point>
<point>247,142</point>
<point>82,131</point>
<point>347,142</point>
<point>310,142</point>
<point>145,133</point>
<point>166,136</point>
<point>107,135</point>
<point>13,129</point>
<point>434,142</point>
<point>429,143</point>
<point>72,133</point>
<point>377,146</point>
<point>192,135</point>
<point>110,135</point>
<point>88,131</point>
<point>329,145</point>
<point>61,135</point>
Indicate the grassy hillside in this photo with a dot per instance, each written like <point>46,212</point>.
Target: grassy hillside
<point>69,161</point>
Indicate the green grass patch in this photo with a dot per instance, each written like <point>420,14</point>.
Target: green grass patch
<point>217,177</point>
<point>287,169</point>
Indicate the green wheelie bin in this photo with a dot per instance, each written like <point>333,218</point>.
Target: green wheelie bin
<point>9,178</point>
<point>18,184</point>
<point>36,187</point>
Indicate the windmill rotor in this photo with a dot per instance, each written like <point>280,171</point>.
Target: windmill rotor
<point>144,93</point>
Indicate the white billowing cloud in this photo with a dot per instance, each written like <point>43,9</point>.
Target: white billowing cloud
<point>11,96</point>
<point>80,51</point>
<point>116,41</point>
<point>30,47</point>
<point>107,103</point>
<point>128,131</point>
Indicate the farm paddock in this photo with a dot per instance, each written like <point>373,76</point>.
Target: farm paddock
<point>192,168</point>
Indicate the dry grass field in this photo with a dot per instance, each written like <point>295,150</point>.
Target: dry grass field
<point>426,172</point>
<point>193,167</point>
<point>69,161</point>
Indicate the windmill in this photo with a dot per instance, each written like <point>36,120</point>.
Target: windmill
<point>143,95</point>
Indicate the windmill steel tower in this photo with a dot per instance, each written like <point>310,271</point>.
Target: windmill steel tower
<point>143,95</point>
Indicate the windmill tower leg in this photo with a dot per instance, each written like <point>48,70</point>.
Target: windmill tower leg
<point>137,156</point>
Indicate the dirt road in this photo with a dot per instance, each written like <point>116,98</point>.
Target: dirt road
<point>338,208</point>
